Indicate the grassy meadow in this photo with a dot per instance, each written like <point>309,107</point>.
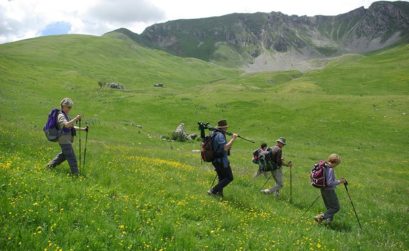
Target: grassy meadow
<point>138,192</point>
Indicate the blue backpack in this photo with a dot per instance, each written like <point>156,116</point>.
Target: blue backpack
<point>51,128</point>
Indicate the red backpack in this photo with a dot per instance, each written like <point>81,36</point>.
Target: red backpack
<point>317,175</point>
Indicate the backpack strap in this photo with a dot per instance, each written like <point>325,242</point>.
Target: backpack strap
<point>323,163</point>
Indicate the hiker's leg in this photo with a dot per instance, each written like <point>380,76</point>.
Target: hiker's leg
<point>69,154</point>
<point>228,177</point>
<point>225,177</point>
<point>278,178</point>
<point>219,171</point>
<point>331,203</point>
<point>324,198</point>
<point>58,159</point>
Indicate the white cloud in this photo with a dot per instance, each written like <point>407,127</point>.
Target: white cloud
<point>126,11</point>
<point>21,19</point>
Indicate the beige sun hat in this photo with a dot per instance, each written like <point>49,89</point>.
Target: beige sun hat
<point>281,140</point>
<point>67,102</point>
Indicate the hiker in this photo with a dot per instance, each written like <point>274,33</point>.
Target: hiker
<point>261,157</point>
<point>276,163</point>
<point>66,138</point>
<point>328,191</point>
<point>221,162</point>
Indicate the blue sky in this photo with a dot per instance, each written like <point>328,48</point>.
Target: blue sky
<point>56,28</point>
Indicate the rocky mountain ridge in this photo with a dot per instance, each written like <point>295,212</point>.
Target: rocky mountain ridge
<point>275,41</point>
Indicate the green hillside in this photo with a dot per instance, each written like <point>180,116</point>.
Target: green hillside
<point>138,192</point>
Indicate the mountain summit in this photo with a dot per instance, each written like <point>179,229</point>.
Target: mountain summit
<point>275,41</point>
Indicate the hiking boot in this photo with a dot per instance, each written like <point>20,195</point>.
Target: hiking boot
<point>210,192</point>
<point>49,166</point>
<point>319,218</point>
<point>218,194</point>
<point>327,221</point>
<point>268,191</point>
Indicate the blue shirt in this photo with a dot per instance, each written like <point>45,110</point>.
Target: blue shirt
<point>219,141</point>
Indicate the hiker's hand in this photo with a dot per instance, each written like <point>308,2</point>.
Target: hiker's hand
<point>78,117</point>
<point>290,164</point>
<point>343,181</point>
<point>234,136</point>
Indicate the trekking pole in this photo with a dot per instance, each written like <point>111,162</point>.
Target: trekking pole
<point>249,140</point>
<point>206,125</point>
<point>211,186</point>
<point>266,181</point>
<point>85,147</point>
<point>79,143</point>
<point>290,164</point>
<point>353,207</point>
<point>312,204</point>
<point>238,136</point>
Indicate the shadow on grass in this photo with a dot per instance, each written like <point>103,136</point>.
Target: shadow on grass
<point>339,227</point>
<point>64,171</point>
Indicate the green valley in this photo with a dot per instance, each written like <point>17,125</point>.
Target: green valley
<point>138,192</point>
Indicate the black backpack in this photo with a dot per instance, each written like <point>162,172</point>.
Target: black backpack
<point>265,160</point>
<point>256,156</point>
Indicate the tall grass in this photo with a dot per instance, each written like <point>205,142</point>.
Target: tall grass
<point>139,192</point>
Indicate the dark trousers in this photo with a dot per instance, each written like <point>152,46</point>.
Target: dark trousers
<point>331,203</point>
<point>225,176</point>
<point>67,153</point>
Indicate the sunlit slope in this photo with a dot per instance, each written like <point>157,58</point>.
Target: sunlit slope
<point>139,192</point>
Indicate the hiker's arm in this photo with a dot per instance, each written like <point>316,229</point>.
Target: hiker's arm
<point>279,160</point>
<point>288,164</point>
<point>230,143</point>
<point>331,181</point>
<point>81,129</point>
<point>70,124</point>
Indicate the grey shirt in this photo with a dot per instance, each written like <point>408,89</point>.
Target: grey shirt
<point>65,137</point>
<point>332,182</point>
